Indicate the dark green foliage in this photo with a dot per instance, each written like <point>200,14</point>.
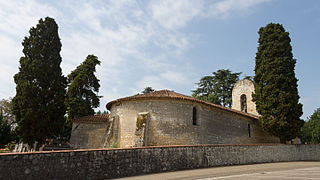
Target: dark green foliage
<point>217,89</point>
<point>310,131</point>
<point>276,93</point>
<point>83,89</point>
<point>147,90</point>
<point>6,135</point>
<point>39,102</point>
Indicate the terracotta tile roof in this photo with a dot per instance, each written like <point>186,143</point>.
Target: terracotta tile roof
<point>97,118</point>
<point>165,94</point>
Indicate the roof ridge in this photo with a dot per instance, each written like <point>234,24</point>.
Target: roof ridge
<point>174,95</point>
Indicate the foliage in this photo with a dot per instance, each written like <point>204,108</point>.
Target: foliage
<point>6,135</point>
<point>310,131</point>
<point>147,90</point>
<point>276,93</point>
<point>217,89</point>
<point>83,89</point>
<point>39,101</point>
<point>6,108</point>
<point>104,112</point>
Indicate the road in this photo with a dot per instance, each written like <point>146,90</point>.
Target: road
<point>279,171</point>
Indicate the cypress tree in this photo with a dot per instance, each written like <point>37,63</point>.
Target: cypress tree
<point>83,88</point>
<point>276,93</point>
<point>40,92</point>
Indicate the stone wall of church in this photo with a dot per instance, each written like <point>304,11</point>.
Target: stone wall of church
<point>244,87</point>
<point>170,122</point>
<point>87,135</point>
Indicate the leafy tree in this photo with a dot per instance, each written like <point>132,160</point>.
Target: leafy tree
<point>276,93</point>
<point>147,90</point>
<point>310,131</point>
<point>83,89</point>
<point>40,92</point>
<point>6,135</point>
<point>6,107</point>
<point>217,89</point>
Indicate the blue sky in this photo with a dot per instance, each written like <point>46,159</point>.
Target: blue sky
<point>166,44</point>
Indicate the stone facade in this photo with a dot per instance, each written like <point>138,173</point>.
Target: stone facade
<point>88,135</point>
<point>170,122</point>
<point>114,163</point>
<point>169,118</point>
<point>243,90</point>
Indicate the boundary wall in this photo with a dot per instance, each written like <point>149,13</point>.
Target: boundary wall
<point>113,163</point>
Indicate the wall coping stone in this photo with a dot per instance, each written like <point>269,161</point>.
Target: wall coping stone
<point>150,147</point>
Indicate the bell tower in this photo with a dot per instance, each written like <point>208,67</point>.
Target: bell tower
<point>242,97</point>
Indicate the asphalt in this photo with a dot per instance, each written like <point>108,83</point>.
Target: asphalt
<point>281,171</point>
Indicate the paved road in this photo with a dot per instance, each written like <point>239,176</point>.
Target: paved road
<point>281,171</point>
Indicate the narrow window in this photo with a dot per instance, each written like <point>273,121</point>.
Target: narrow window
<point>249,130</point>
<point>194,116</point>
<point>243,102</point>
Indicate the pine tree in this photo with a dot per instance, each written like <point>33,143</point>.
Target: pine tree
<point>83,88</point>
<point>40,92</point>
<point>217,89</point>
<point>276,93</point>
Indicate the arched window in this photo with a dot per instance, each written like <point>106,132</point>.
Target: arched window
<point>194,116</point>
<point>243,102</point>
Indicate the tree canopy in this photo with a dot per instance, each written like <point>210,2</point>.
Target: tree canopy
<point>276,95</point>
<point>310,132</point>
<point>6,107</point>
<point>6,134</point>
<point>39,101</point>
<point>147,90</point>
<point>82,93</point>
<point>217,89</point>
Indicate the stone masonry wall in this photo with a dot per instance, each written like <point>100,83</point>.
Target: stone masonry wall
<point>88,135</point>
<point>170,122</point>
<point>246,87</point>
<point>113,163</point>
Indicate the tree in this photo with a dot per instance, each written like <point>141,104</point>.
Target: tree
<point>6,135</point>
<point>6,107</point>
<point>217,89</point>
<point>147,90</point>
<point>83,89</point>
<point>310,131</point>
<point>276,93</point>
<point>40,92</point>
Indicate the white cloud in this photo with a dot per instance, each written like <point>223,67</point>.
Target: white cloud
<point>175,14</point>
<point>139,44</point>
<point>222,9</point>
<point>152,81</point>
<point>175,77</point>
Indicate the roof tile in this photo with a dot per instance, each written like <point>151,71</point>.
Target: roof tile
<point>174,95</point>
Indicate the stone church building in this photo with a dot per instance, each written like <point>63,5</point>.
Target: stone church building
<point>169,118</point>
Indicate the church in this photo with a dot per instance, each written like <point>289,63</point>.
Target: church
<point>169,118</point>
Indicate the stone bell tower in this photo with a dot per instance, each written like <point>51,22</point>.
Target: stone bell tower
<point>242,97</point>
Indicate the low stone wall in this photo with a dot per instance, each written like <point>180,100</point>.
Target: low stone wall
<point>111,163</point>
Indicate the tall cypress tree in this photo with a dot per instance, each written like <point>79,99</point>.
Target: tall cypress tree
<point>276,93</point>
<point>83,88</point>
<point>40,92</point>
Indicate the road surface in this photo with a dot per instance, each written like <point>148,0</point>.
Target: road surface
<point>281,171</point>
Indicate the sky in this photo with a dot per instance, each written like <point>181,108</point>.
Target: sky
<point>165,44</point>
